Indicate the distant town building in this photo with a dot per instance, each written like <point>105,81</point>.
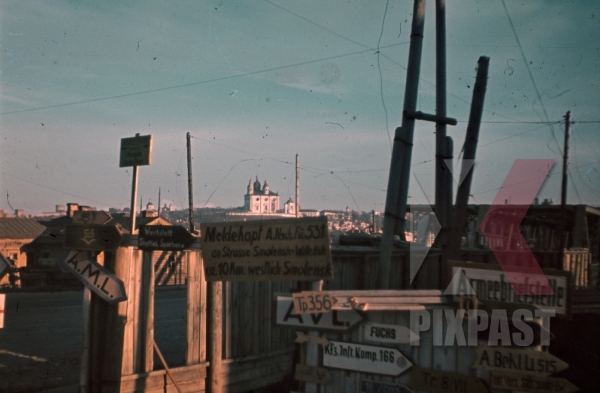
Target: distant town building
<point>260,200</point>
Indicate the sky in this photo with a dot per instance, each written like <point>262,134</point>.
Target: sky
<point>257,82</point>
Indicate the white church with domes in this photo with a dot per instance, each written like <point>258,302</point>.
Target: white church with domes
<point>260,199</point>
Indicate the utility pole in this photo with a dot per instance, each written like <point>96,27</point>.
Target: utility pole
<point>399,176</point>
<point>158,210</point>
<point>297,209</point>
<point>190,193</point>
<point>563,195</point>
<point>469,151</point>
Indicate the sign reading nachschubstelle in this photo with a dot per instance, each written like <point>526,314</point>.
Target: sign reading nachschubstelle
<point>279,249</point>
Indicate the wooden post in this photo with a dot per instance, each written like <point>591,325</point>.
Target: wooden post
<point>312,349</point>
<point>190,193</point>
<point>442,209</point>
<point>563,194</point>
<point>469,151</point>
<point>147,312</point>
<point>84,374</point>
<point>215,335</point>
<point>399,176</point>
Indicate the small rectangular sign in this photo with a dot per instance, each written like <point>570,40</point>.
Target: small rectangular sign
<point>286,249</point>
<point>93,237</point>
<point>489,283</point>
<point>164,237</point>
<point>368,386</point>
<point>365,358</point>
<point>526,361</point>
<point>530,383</point>
<point>445,382</point>
<point>340,321</point>
<point>136,151</point>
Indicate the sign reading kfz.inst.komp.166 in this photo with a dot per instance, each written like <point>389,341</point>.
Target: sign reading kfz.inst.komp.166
<point>286,249</point>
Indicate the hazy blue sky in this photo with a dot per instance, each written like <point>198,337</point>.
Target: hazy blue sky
<point>257,82</point>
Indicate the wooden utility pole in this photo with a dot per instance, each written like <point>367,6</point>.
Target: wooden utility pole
<point>190,193</point>
<point>469,151</point>
<point>442,174</point>
<point>399,176</point>
<point>297,209</point>
<point>158,210</point>
<point>563,194</point>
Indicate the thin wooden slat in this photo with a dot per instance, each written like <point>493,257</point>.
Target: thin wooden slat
<point>147,319</point>
<point>203,309</point>
<point>193,310</point>
<point>129,335</point>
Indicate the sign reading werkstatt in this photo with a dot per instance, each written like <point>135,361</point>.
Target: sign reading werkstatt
<point>136,151</point>
<point>285,249</point>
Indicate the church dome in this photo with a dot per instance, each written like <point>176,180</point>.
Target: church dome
<point>256,185</point>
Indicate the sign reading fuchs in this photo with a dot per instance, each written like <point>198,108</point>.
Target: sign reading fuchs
<point>95,276</point>
<point>93,237</point>
<point>164,237</point>
<point>340,321</point>
<point>286,249</point>
<point>365,358</point>
<point>530,383</point>
<point>389,334</point>
<point>136,151</point>
<point>527,361</point>
<point>489,283</point>
<point>423,379</point>
<point>368,386</point>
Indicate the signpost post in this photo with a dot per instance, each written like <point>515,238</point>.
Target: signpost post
<point>164,237</point>
<point>527,361</point>
<point>94,237</point>
<point>445,382</point>
<point>365,358</point>
<point>334,321</point>
<point>96,277</point>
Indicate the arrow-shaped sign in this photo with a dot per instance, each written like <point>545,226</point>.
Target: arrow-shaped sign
<point>365,358</point>
<point>312,374</point>
<point>423,379</point>
<point>305,338</point>
<point>96,277</point>
<point>526,361</point>
<point>389,334</point>
<point>91,217</point>
<point>339,321</point>
<point>530,383</point>
<point>92,237</point>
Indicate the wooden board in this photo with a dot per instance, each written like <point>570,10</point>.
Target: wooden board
<point>280,249</point>
<point>365,358</point>
<point>528,361</point>
<point>445,382</point>
<point>530,383</point>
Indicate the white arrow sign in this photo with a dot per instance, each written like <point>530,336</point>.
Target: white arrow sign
<point>389,334</point>
<point>366,358</point>
<point>340,321</point>
<point>96,277</point>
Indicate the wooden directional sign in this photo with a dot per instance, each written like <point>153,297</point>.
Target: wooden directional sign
<point>339,321</point>
<point>312,374</point>
<point>445,382</point>
<point>96,277</point>
<point>527,361</point>
<point>164,237</point>
<point>136,151</point>
<point>278,249</point>
<point>305,338</point>
<point>530,383</point>
<point>389,334</point>
<point>368,386</point>
<point>91,217</point>
<point>365,358</point>
<point>92,237</point>
<point>4,265</point>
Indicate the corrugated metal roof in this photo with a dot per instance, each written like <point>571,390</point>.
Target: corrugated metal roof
<point>20,228</point>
